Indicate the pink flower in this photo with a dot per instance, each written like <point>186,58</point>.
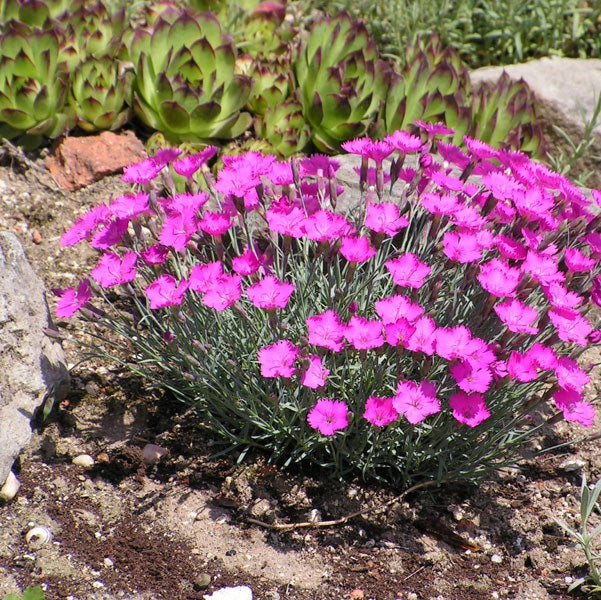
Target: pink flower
<point>498,278</point>
<point>177,230</point>
<point>404,142</point>
<point>570,376</point>
<point>392,309</point>
<point>155,255</point>
<point>324,226</point>
<point>571,326</point>
<point>416,401</point>
<point>380,411</point>
<point>314,374</point>
<point>574,407</point>
<point>542,268</point>
<point>522,367</point>
<point>318,165</point>
<point>470,379</point>
<point>356,249</point>
<point>423,338</point>
<point>408,270</point>
<point>385,218</point>
<point>517,316</point>
<point>129,206</point>
<point>479,149</point>
<point>447,182</point>
<point>326,330</point>
<point>165,291</point>
<point>328,416</point>
<point>112,270</point>
<point>187,166</point>
<point>249,262</point>
<point>377,150</point>
<point>85,225</point>
<point>435,129</point>
<point>223,291</point>
<point>543,357</point>
<point>215,223</point>
<point>447,204</point>
<point>510,248</point>
<point>286,219</point>
<point>363,334</point>
<point>185,203</point>
<point>142,172</point>
<point>452,342</point>
<point>501,185</point>
<point>203,277</point>
<point>452,154</point>
<point>469,409</point>
<point>399,332</point>
<point>110,234</point>
<point>270,293</point>
<point>560,297</point>
<point>462,246</point>
<point>278,359</point>
<point>577,262</point>
<point>164,156</point>
<point>71,300</point>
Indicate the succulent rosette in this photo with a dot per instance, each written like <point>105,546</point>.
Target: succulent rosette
<point>283,129</point>
<point>342,81</point>
<point>33,86</point>
<point>272,82</point>
<point>35,13</point>
<point>186,84</point>
<point>98,94</point>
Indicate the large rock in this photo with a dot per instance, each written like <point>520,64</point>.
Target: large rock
<point>32,365</point>
<point>564,87</point>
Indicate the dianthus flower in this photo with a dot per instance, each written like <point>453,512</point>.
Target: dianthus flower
<point>223,292</point>
<point>510,248</point>
<point>399,332</point>
<point>71,300</point>
<point>249,262</point>
<point>165,291</point>
<point>270,293</point>
<point>376,150</point>
<point>447,182</point>
<point>326,330</point>
<point>498,278</point>
<point>396,307</point>
<point>462,246</point>
<point>416,401</point>
<point>522,367</point>
<point>469,409</point>
<point>574,407</point>
<point>435,129</point>
<point>478,353</point>
<point>112,270</point>
<point>155,254</point>
<point>185,203</point>
<point>452,342</point>
<point>215,223</point>
<point>380,411</point>
<point>571,325</point>
<point>542,268</point>
<point>423,338</point>
<point>470,379</point>
<point>408,270</point>
<point>578,262</point>
<point>356,249</point>
<point>178,228</point>
<point>560,297</point>
<point>328,416</point>
<point>130,206</point>
<point>142,172</point>
<point>110,234</point>
<point>452,154</point>
<point>324,226</point>
<point>280,173</point>
<point>318,164</point>
<point>385,218</point>
<point>501,185</point>
<point>468,217</point>
<point>544,357</point>
<point>278,359</point>
<point>187,166</point>
<point>314,375</point>
<point>479,149</point>
<point>404,142</point>
<point>517,316</point>
<point>85,225</point>
<point>445,204</point>
<point>164,156</point>
<point>569,374</point>
<point>286,219</point>
<point>204,276</point>
<point>364,334</point>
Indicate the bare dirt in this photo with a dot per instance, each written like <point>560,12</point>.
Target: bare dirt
<point>179,529</point>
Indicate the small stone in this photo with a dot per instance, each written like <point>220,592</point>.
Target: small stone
<point>97,584</point>
<point>83,460</point>
<point>153,453</point>
<point>241,592</point>
<point>357,594</point>
<point>36,237</point>
<point>202,582</point>
<point>572,464</point>
<point>496,558</point>
<point>108,563</point>
<point>10,488</point>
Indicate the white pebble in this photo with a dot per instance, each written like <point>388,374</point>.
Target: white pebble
<point>241,592</point>
<point>83,460</point>
<point>10,488</point>
<point>153,453</point>
<point>496,558</point>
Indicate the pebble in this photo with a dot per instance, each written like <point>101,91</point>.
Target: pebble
<point>496,558</point>
<point>108,563</point>
<point>241,592</point>
<point>153,453</point>
<point>10,488</point>
<point>202,582</point>
<point>572,464</point>
<point>36,237</point>
<point>83,460</point>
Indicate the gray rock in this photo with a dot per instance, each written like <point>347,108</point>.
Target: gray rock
<point>32,366</point>
<point>563,87</point>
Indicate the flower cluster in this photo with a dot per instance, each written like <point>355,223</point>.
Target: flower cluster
<point>457,298</point>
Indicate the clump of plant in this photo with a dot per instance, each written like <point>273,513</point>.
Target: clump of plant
<point>410,335</point>
<point>31,593</point>
<point>484,32</point>
<point>591,583</point>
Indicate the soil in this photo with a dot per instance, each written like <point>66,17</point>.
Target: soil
<point>185,526</point>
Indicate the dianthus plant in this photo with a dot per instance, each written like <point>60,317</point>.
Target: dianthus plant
<point>423,329</point>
